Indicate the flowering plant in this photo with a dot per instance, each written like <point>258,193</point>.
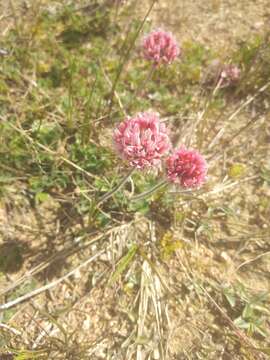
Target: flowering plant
<point>160,47</point>
<point>142,140</point>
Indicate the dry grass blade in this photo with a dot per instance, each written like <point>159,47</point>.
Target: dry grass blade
<point>80,245</point>
<point>51,285</point>
<point>11,329</point>
<point>127,54</point>
<point>123,264</point>
<point>143,310</point>
<point>255,353</point>
<point>221,132</point>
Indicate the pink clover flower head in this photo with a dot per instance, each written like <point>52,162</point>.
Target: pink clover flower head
<point>186,167</point>
<point>142,140</point>
<point>160,47</point>
<point>229,75</point>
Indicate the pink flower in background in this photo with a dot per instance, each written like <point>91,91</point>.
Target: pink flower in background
<point>186,167</point>
<point>229,75</point>
<point>142,140</point>
<point>160,47</point>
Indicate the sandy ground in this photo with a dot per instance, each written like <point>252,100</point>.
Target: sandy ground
<point>221,24</point>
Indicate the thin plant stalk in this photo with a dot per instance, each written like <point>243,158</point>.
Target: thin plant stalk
<point>126,56</point>
<point>116,188</point>
<point>234,114</point>
<point>202,116</point>
<point>70,94</point>
<point>145,81</point>
<point>145,194</point>
<point>87,123</point>
<point>117,7</point>
<point>15,16</point>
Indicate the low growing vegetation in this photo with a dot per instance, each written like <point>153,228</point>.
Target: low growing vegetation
<point>134,187</point>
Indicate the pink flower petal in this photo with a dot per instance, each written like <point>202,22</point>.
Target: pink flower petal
<point>142,140</point>
<point>186,167</point>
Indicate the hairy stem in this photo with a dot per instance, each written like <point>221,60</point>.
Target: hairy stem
<point>116,188</point>
<point>150,191</point>
<point>145,81</point>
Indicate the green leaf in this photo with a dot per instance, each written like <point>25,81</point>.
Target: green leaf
<point>241,323</point>
<point>123,263</point>
<point>41,197</point>
<point>265,174</point>
<point>141,206</point>
<point>248,312</point>
<point>237,170</point>
<point>261,331</point>
<point>230,296</point>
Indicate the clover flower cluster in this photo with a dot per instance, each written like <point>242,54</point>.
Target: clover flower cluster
<point>229,75</point>
<point>160,47</point>
<point>221,75</point>
<point>143,140</point>
<point>186,167</point>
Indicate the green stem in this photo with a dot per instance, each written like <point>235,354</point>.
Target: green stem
<point>116,188</point>
<point>150,191</point>
<point>87,122</point>
<point>126,56</point>
<point>145,81</point>
<point>70,94</point>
